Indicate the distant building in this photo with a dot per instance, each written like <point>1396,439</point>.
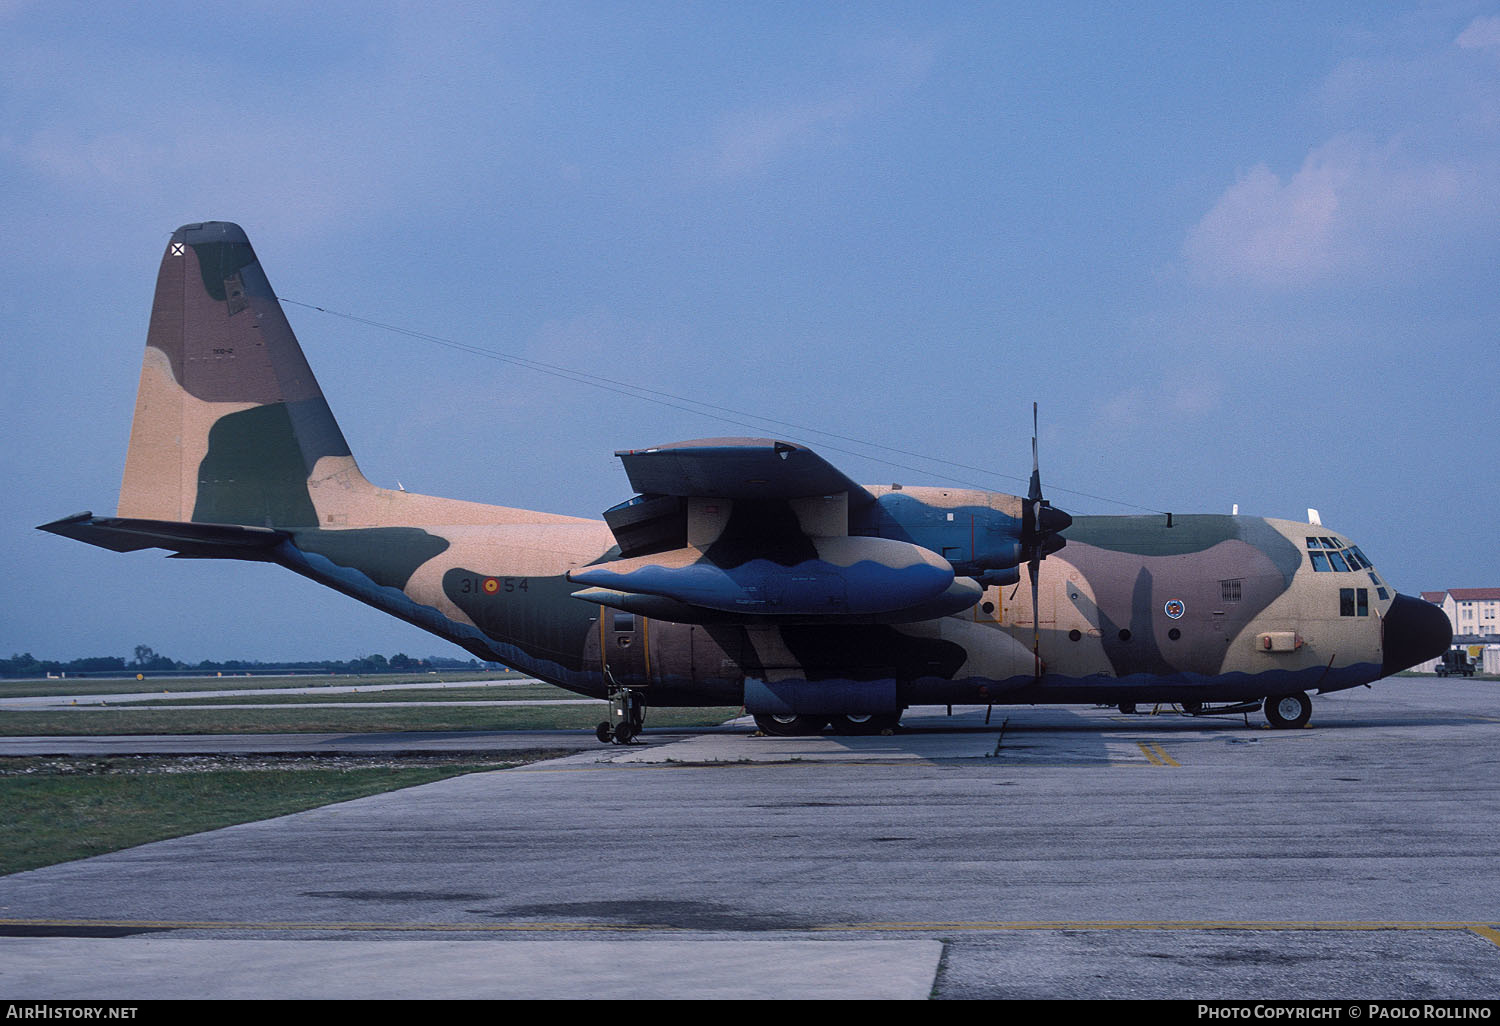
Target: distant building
<point>1473,612</point>
<point>1475,616</point>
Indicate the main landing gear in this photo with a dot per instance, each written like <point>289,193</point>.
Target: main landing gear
<point>1286,712</point>
<point>627,715</point>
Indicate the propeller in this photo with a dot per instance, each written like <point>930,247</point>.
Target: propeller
<point>1042,525</point>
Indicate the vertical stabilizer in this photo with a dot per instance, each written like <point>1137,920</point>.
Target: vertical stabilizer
<point>230,425</point>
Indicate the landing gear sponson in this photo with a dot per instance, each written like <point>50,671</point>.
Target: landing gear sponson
<point>801,725</point>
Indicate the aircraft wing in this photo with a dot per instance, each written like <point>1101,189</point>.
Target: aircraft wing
<point>753,530</point>
<point>736,468</point>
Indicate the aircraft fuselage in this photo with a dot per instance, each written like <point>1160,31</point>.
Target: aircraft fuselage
<point>744,571</point>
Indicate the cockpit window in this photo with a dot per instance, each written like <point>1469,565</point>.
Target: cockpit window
<point>1329,555</point>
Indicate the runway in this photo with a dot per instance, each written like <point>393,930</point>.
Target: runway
<point>1070,853</point>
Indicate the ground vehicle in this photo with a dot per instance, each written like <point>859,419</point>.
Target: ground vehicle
<point>1455,662</point>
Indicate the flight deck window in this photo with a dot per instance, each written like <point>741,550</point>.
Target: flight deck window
<point>1328,555</point>
<point>1346,601</point>
<point>1380,591</point>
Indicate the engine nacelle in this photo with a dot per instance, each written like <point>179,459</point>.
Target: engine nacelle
<point>840,577</point>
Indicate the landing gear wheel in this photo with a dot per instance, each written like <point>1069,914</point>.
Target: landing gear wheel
<point>1286,712</point>
<point>1128,708</point>
<point>789,726</point>
<point>866,723</point>
<point>627,712</point>
<point>1192,707</point>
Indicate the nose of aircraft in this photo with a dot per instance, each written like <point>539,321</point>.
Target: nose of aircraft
<point>1415,631</point>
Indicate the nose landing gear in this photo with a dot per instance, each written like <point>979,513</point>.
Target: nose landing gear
<point>1286,712</point>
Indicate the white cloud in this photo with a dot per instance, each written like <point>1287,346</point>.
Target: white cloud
<point>1269,230</point>
<point>746,141</point>
<point>1483,33</point>
<point>1411,179</point>
<point>1166,404</point>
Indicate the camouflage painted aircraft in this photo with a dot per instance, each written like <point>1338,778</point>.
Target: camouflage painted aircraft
<point>744,571</point>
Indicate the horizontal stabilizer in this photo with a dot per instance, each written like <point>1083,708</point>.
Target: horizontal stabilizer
<point>124,534</point>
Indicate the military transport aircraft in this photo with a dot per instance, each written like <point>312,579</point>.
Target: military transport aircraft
<point>745,571</point>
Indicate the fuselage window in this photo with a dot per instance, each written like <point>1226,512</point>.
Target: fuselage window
<point>1354,601</point>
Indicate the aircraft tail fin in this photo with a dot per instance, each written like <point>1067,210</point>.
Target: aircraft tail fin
<point>230,424</point>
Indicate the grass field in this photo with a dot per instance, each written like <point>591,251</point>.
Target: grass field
<point>59,809</point>
<point>369,710</point>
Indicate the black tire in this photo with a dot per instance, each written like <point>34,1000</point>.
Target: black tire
<point>624,733</point>
<point>1128,708</point>
<point>604,732</point>
<point>789,726</point>
<point>1287,712</point>
<point>1192,707</point>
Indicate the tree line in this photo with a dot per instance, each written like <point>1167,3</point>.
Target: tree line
<point>147,660</point>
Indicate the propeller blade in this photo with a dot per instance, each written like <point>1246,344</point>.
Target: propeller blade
<point>1036,612</point>
<point>1034,493</point>
<point>1041,535</point>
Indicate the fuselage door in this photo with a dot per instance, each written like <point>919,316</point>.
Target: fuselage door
<point>625,648</point>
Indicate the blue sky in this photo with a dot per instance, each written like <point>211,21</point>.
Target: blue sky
<point>1238,255</point>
